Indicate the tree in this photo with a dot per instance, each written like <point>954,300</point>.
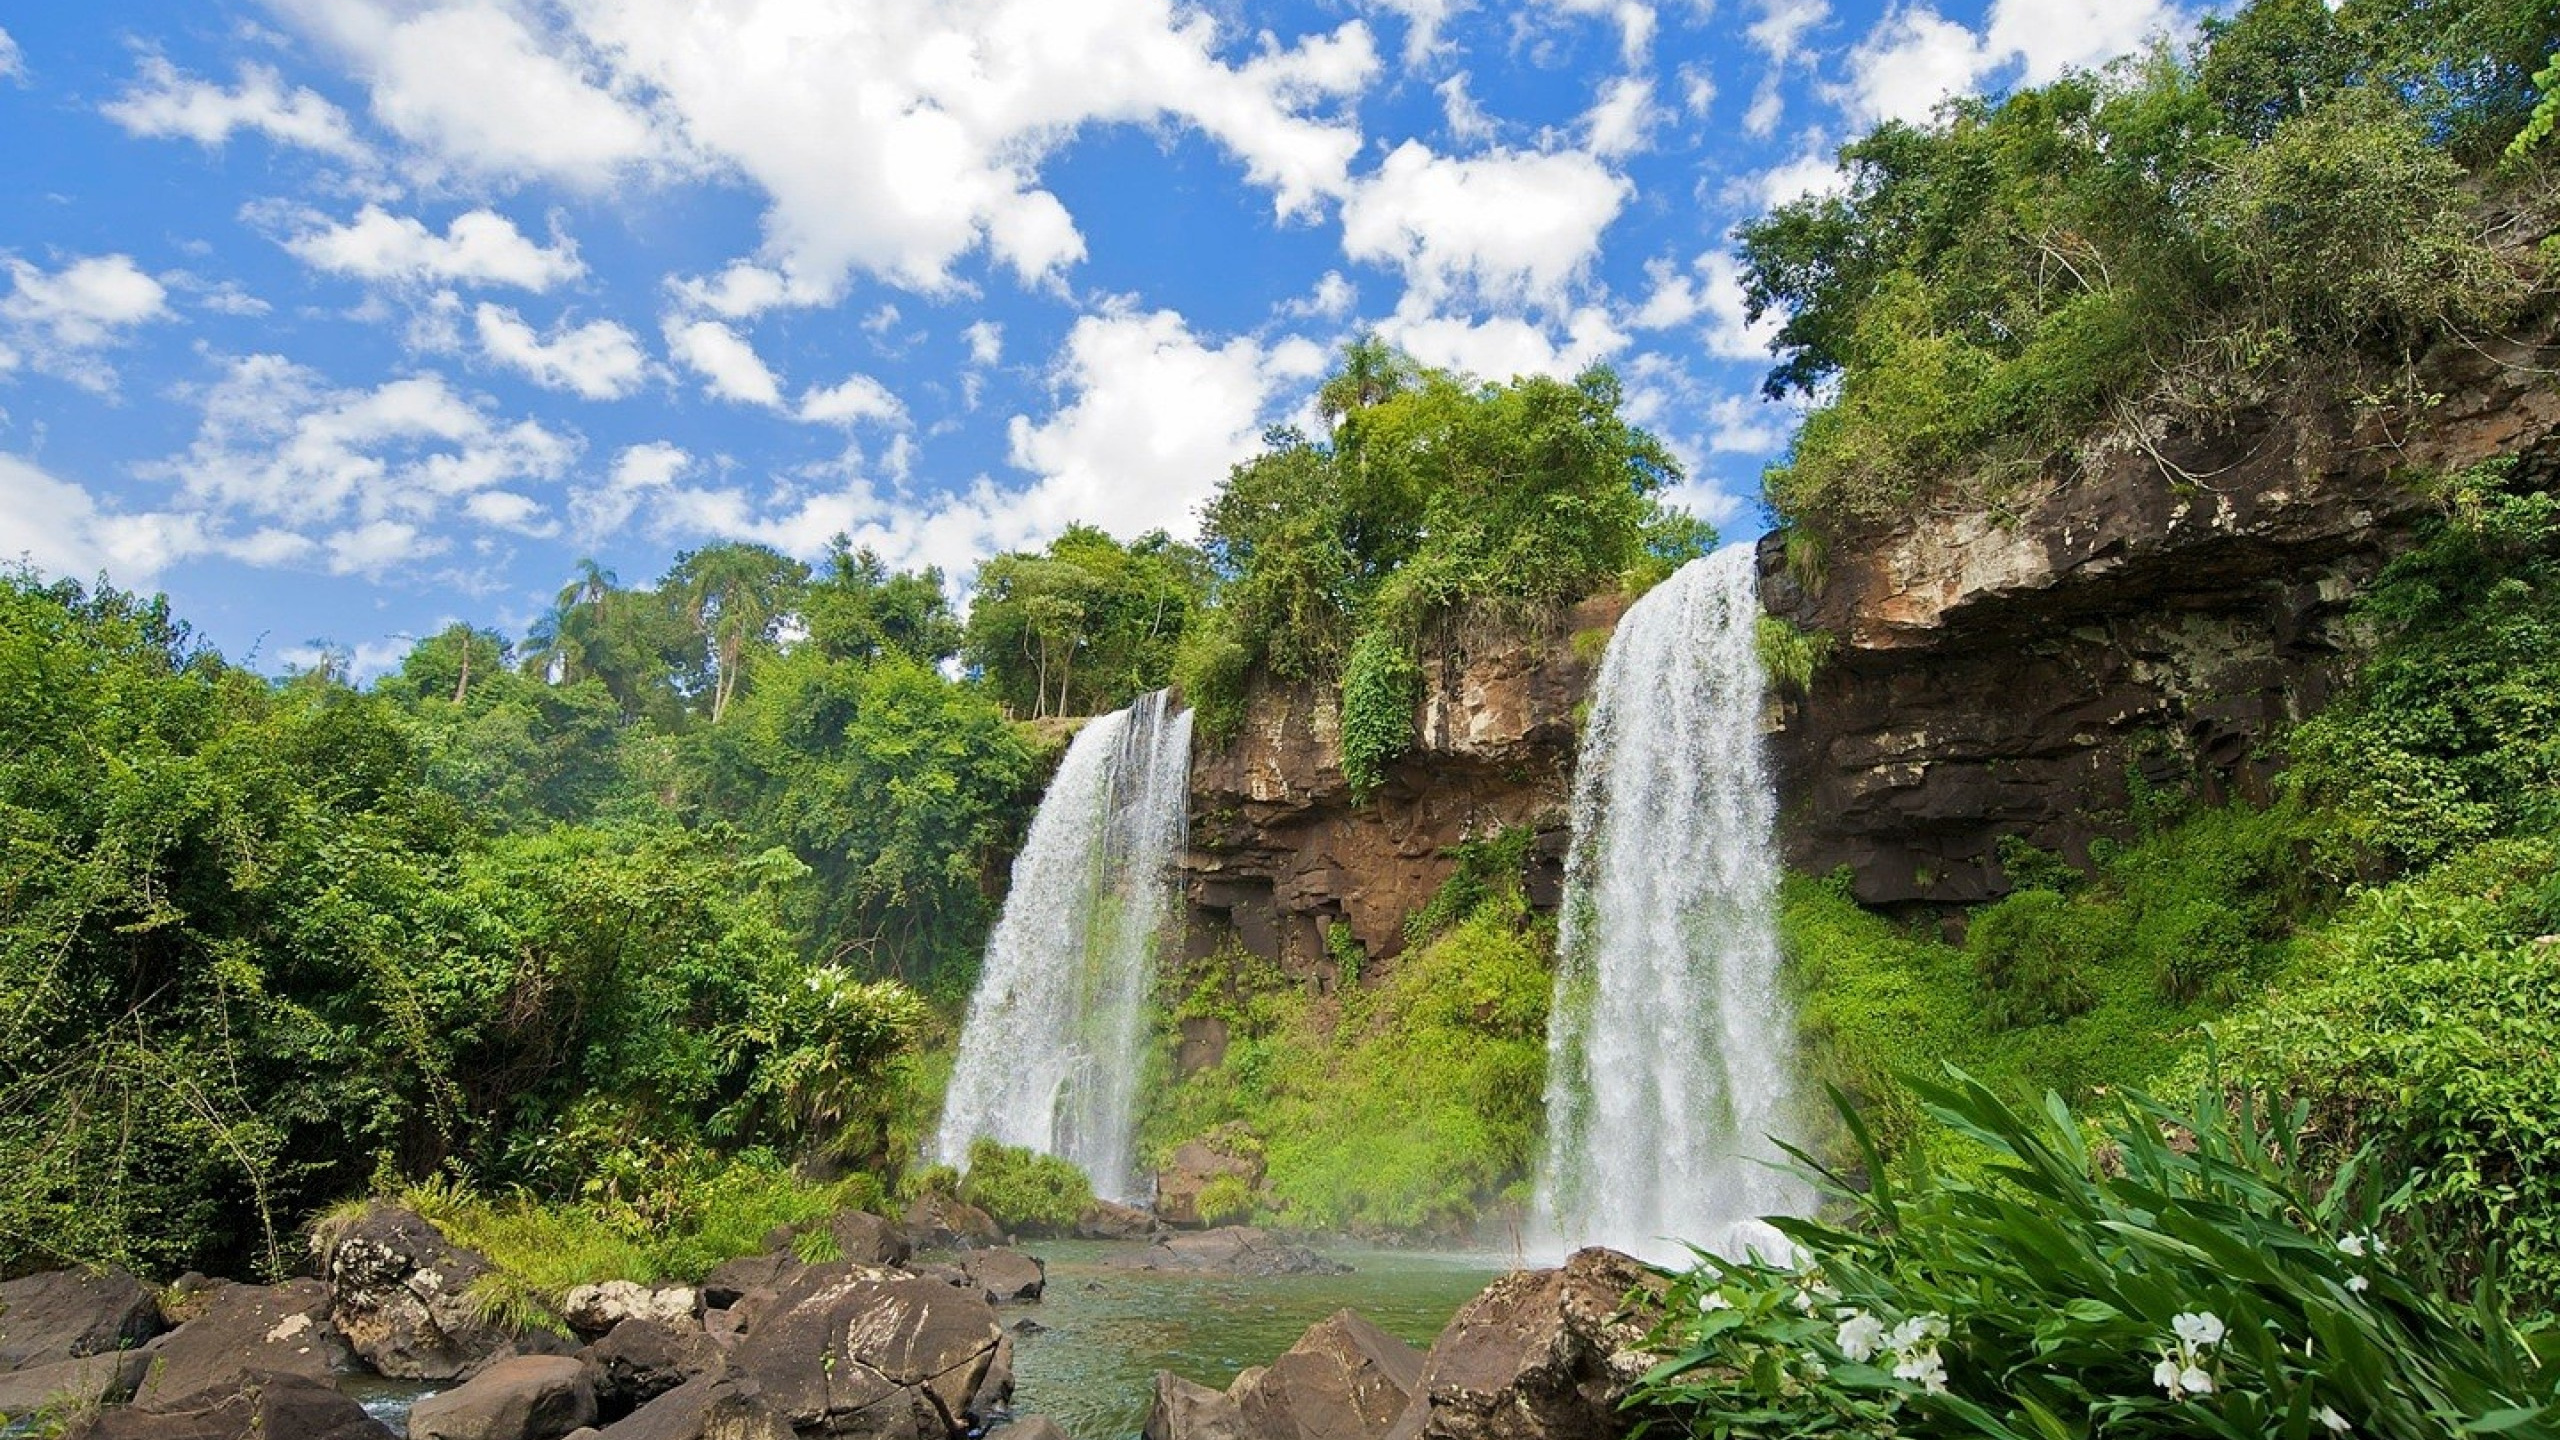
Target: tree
<point>1087,624</point>
<point>736,596</point>
<point>857,610</point>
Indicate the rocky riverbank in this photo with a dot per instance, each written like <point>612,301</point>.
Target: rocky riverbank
<point>887,1339</point>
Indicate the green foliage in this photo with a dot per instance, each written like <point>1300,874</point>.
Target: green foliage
<point>2181,1276</point>
<point>1439,503</point>
<point>1381,685</point>
<point>1489,872</point>
<point>2031,957</point>
<point>1025,1190</point>
<point>1086,625</point>
<point>1991,289</point>
<point>1789,654</point>
<point>1225,1200</point>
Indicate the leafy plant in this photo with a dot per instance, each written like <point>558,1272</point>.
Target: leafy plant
<point>1025,1190</point>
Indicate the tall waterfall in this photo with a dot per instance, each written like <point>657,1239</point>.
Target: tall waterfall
<point>1668,1047</point>
<point>1051,1051</point>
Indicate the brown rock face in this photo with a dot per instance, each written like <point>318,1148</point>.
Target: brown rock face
<point>844,1350</point>
<point>1540,1355</point>
<point>398,1291</point>
<point>1279,852</point>
<point>2148,621</point>
<point>268,1330</point>
<point>1346,1379</point>
<point>68,1314</point>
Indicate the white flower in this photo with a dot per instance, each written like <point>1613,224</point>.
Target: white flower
<point>2165,1375</point>
<point>1917,1331</point>
<point>1924,1369</point>
<point>1860,1335</point>
<point>2359,1284</point>
<point>2202,1330</point>
<point>1714,1300</point>
<point>2351,1245</point>
<point>2336,1422</point>
<point>2195,1381</point>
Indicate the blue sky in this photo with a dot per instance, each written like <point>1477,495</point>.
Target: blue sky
<point>343,319</point>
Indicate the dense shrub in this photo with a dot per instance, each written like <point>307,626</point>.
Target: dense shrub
<point>2180,1276</point>
<point>1025,1190</point>
<point>2031,956</point>
<point>1381,685</point>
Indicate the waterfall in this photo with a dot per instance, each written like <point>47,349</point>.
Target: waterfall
<point>1669,1043</point>
<point>1051,1052</point>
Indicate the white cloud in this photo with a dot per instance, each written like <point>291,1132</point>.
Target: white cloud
<point>478,247</point>
<point>1767,106</point>
<point>1812,173</point>
<point>1508,226</point>
<point>278,441</point>
<point>1783,24</point>
<point>1423,20</point>
<point>1748,425</point>
<point>728,364</point>
<point>1697,90</point>
<point>744,290</point>
<point>13,61</point>
<point>164,102</point>
<point>475,89</point>
<point>860,398</point>
<point>2051,36</point>
<point>1913,59</point>
<point>61,529</point>
<point>59,321</point>
<point>376,546</point>
<point>599,360</point>
<point>1621,121</point>
<point>1332,299</point>
<point>1503,347</point>
<point>1467,121</point>
<point>986,342</point>
<point>638,473</point>
<point>889,138</point>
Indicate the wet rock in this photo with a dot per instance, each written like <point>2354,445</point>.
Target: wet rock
<point>535,1397</point>
<point>65,1386</point>
<point>1110,1220</point>
<point>734,1280</point>
<point>937,1221</point>
<point>247,1330</point>
<point>711,1408</point>
<point>596,1309</point>
<point>1007,1274</point>
<point>1032,1427</point>
<point>1230,1250</point>
<point>1193,1166</point>
<point>398,1294</point>
<point>640,1360</point>
<point>1540,1355</point>
<point>845,1350</point>
<point>260,1406</point>
<point>866,1239</point>
<point>1182,1410</point>
<point>66,1314</point>
<point>1346,1379</point>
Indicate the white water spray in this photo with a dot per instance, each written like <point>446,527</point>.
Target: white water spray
<point>1051,1051</point>
<point>1669,1046</point>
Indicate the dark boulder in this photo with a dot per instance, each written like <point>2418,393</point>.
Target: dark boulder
<point>1193,1166</point>
<point>711,1408</point>
<point>247,1330</point>
<point>1346,1379</point>
<point>65,1386</point>
<point>397,1291</point>
<point>1111,1220</point>
<point>253,1407</point>
<point>844,1351</point>
<point>1540,1355</point>
<point>640,1360</point>
<point>66,1314</point>
<point>1183,1410</point>
<point>866,1239</point>
<point>531,1397</point>
<point>734,1280</point>
<point>938,1221</point>
<point>1007,1274</point>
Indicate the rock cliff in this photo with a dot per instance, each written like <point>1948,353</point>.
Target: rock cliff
<point>1279,852</point>
<point>2151,619</point>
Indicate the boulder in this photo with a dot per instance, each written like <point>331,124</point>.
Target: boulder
<point>596,1309</point>
<point>1230,1250</point>
<point>1540,1355</point>
<point>845,1350</point>
<point>1182,1410</point>
<point>66,1314</point>
<point>397,1293</point>
<point>1033,1427</point>
<point>263,1406</point>
<point>531,1397</point>
<point>994,1395</point>
<point>640,1360</point>
<point>1111,1220</point>
<point>246,1329</point>
<point>866,1239</point>
<point>70,1385</point>
<point>938,1221</point>
<point>734,1280</point>
<point>1193,1166</point>
<point>710,1408</point>
<point>955,1276</point>
<point>1007,1274</point>
<point>1346,1379</point>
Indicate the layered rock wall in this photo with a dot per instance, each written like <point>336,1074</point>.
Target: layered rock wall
<point>2152,620</point>
<point>1279,853</point>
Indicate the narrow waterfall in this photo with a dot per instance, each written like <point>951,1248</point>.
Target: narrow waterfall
<point>1669,1044</point>
<point>1051,1051</point>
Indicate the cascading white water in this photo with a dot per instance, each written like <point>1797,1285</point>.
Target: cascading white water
<point>1669,1045</point>
<point>1051,1051</point>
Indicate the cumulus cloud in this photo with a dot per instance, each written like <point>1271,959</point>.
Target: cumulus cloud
<point>728,364</point>
<point>62,529</point>
<point>164,102</point>
<point>1507,226</point>
<point>889,138</point>
<point>858,400</point>
<point>986,342</point>
<point>1914,57</point>
<point>1706,294</point>
<point>1503,347</point>
<point>599,360</point>
<point>478,247</point>
<point>1783,24</point>
<point>13,61</point>
<point>60,321</point>
<point>2051,36</point>
<point>1621,121</point>
<point>369,470</point>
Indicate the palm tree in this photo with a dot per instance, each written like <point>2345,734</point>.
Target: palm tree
<point>736,596</point>
<point>567,643</point>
